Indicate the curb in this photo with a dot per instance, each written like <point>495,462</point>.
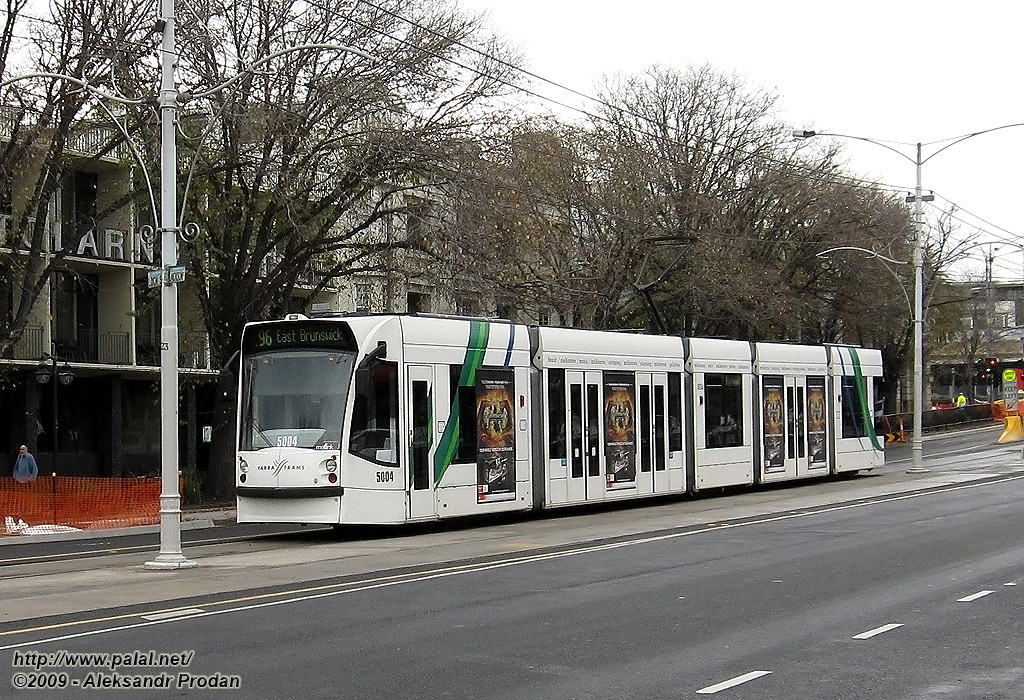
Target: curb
<point>196,524</point>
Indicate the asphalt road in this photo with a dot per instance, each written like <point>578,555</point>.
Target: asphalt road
<point>964,450</point>
<point>911,596</point>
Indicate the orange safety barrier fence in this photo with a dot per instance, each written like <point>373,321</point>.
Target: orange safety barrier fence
<point>58,503</point>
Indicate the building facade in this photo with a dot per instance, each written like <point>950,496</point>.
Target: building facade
<point>82,386</point>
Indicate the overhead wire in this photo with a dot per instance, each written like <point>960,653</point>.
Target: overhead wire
<point>789,165</point>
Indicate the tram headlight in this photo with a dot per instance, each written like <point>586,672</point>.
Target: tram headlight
<point>331,465</point>
<point>243,466</point>
<point>332,477</point>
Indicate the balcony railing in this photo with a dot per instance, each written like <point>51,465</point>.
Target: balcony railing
<point>30,347</point>
<point>86,346</point>
<point>90,142</point>
<point>97,140</point>
<point>94,346</point>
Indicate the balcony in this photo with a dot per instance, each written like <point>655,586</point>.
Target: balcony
<point>90,142</point>
<point>87,346</point>
<point>94,346</point>
<point>98,140</point>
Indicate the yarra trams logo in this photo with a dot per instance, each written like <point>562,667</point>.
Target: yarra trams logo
<point>279,466</point>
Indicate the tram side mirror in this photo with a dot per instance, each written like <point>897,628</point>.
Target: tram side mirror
<point>378,353</point>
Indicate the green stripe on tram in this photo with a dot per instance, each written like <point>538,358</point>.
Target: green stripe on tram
<point>479,331</point>
<point>867,415</point>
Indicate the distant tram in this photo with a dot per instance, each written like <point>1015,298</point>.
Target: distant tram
<point>389,419</point>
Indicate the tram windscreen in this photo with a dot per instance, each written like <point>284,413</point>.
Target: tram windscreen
<point>294,398</point>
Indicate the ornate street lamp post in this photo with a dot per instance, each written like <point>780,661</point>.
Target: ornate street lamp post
<point>49,373</point>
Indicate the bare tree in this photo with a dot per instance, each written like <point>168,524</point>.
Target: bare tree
<point>83,50</point>
<point>300,156</point>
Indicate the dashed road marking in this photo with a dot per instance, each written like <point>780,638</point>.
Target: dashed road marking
<point>732,682</point>
<point>878,630</point>
<point>974,596</point>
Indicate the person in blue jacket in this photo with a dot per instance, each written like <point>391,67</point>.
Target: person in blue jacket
<point>25,469</point>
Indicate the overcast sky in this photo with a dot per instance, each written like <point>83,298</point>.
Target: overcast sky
<point>896,71</point>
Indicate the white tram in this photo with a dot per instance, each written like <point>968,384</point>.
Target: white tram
<point>404,418</point>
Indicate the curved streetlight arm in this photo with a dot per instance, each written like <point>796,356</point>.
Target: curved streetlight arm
<point>884,260</point>
<point>866,251</point>
<point>101,96</point>
<point>77,81</point>
<point>970,136</point>
<point>807,134</point>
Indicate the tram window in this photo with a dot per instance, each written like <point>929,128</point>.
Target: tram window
<point>465,398</point>
<point>556,414</point>
<point>853,417</point>
<point>420,435</point>
<point>675,412</point>
<point>723,414</point>
<point>593,430</point>
<point>576,408</point>
<point>375,414</point>
<point>645,428</point>
<point>294,398</point>
<point>659,428</point>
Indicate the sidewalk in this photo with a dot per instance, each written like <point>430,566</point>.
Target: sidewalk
<point>193,519</point>
<point>79,586</point>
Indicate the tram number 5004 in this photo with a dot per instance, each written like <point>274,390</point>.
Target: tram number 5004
<point>384,477</point>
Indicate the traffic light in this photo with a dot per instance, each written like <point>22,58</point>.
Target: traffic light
<point>990,365</point>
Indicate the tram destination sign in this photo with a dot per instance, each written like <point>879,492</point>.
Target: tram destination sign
<point>284,335</point>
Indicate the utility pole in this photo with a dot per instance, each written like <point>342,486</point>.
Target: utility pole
<point>170,556</point>
<point>917,441</point>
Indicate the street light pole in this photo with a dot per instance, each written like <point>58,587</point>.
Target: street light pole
<point>170,556</point>
<point>917,441</point>
<point>49,373</point>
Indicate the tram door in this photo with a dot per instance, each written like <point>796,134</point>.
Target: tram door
<point>585,480</point>
<point>420,483</point>
<point>796,426</point>
<point>652,435</point>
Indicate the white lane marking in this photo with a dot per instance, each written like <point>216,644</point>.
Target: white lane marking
<point>974,596</point>
<point>878,630</point>
<point>246,603</point>
<point>732,682</point>
<point>171,614</point>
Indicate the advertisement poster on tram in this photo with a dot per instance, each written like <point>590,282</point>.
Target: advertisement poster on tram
<point>816,434</point>
<point>496,437</point>
<point>772,415</point>
<point>620,430</point>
